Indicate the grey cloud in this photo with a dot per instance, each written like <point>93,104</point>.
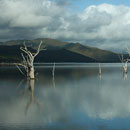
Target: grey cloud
<point>103,25</point>
<point>63,2</point>
<point>24,19</point>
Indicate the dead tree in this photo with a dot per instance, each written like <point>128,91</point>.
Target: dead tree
<point>100,70</point>
<point>28,61</point>
<point>124,63</point>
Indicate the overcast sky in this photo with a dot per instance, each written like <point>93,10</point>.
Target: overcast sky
<point>99,23</point>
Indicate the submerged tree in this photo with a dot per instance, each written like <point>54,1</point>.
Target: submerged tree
<point>28,60</point>
<point>124,63</point>
<point>100,71</point>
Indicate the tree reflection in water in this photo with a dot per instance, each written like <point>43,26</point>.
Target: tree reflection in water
<point>125,76</point>
<point>53,75</point>
<point>32,101</point>
<point>29,90</point>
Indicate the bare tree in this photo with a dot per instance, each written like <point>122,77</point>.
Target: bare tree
<point>100,70</point>
<point>124,63</point>
<point>28,61</point>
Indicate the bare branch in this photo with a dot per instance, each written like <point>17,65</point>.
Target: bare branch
<point>25,46</point>
<point>26,51</point>
<point>20,70</point>
<point>38,50</point>
<point>25,66</point>
<point>121,59</point>
<point>128,50</point>
<point>19,64</point>
<point>28,61</point>
<point>24,59</point>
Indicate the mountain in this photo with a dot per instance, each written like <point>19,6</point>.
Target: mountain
<point>92,52</point>
<point>57,51</point>
<point>49,43</point>
<point>62,55</point>
<point>13,54</point>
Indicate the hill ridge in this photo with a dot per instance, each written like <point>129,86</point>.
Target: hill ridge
<point>93,53</point>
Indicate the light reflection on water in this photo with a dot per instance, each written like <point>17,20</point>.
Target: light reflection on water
<point>76,98</point>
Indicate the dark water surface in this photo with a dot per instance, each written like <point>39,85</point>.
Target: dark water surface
<point>77,98</point>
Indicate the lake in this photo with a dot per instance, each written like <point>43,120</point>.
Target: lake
<point>75,98</point>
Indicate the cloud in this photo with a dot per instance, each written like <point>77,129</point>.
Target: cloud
<point>104,26</point>
<point>23,17</point>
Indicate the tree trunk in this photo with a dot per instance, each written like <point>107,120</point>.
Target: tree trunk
<point>125,67</point>
<point>31,72</point>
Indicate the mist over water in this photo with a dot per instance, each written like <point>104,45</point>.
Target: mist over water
<point>75,98</point>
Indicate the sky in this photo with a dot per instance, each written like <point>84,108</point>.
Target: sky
<point>82,4</point>
<point>100,23</point>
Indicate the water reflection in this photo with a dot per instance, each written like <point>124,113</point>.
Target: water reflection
<point>32,101</point>
<point>53,75</point>
<point>81,99</point>
<point>125,76</point>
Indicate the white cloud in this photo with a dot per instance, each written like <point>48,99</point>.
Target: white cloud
<point>102,25</point>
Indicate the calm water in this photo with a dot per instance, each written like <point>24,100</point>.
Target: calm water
<point>75,99</point>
